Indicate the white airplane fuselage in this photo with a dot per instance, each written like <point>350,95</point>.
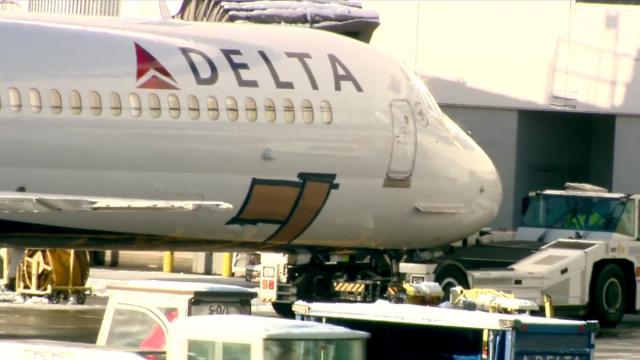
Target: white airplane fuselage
<point>379,166</point>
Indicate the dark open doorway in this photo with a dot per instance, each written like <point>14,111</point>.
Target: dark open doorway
<point>557,147</point>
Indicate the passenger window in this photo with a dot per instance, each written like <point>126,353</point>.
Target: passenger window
<point>270,110</point>
<point>75,102</point>
<point>325,112</point>
<point>174,106</point>
<point>232,108</point>
<point>55,101</point>
<point>307,112</point>
<point>194,107</point>
<point>154,106</point>
<point>15,100</point>
<point>35,100</point>
<point>289,111</point>
<point>95,102</point>
<point>134,104</point>
<point>116,104</point>
<point>251,109</point>
<point>212,108</point>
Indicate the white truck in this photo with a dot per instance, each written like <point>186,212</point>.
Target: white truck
<point>139,312</point>
<point>578,246</point>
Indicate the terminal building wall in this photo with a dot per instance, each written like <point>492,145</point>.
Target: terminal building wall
<point>548,88</point>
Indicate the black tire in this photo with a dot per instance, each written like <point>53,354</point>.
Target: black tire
<point>55,297</point>
<point>97,258</point>
<point>81,298</point>
<point>283,309</point>
<point>450,276</point>
<point>607,296</point>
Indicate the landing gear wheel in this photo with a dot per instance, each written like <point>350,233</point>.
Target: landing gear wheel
<point>450,276</point>
<point>283,309</point>
<point>607,298</point>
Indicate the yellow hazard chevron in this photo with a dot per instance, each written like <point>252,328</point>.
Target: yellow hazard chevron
<point>349,287</point>
<point>392,290</point>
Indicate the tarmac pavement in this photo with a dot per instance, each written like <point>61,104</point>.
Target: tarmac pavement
<point>621,342</point>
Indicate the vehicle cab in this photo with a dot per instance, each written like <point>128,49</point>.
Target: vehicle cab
<point>569,214</point>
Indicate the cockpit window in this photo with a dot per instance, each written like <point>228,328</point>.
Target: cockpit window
<point>422,117</point>
<point>429,108</point>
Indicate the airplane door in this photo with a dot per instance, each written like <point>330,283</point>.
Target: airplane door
<point>403,148</point>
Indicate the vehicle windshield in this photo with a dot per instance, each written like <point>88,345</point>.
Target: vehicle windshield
<point>580,213</point>
<point>314,349</point>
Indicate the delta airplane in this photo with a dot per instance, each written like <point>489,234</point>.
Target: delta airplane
<point>125,134</point>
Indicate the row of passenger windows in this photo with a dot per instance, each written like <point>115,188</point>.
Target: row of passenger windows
<point>174,108</point>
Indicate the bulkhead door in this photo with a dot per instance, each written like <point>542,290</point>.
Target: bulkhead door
<point>403,149</point>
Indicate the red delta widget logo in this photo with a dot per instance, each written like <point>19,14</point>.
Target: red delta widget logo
<point>151,74</point>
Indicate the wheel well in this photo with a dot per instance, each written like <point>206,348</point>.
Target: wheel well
<point>456,266</point>
<point>629,279</point>
<point>452,263</point>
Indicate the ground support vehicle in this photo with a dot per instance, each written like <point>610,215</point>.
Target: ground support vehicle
<point>357,276</point>
<point>261,338</point>
<point>404,331</point>
<point>57,274</point>
<point>138,313</point>
<point>580,248</point>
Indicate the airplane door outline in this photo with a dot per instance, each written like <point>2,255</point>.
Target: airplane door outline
<point>403,147</point>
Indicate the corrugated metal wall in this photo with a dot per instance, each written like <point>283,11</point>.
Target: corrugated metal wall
<point>76,7</point>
